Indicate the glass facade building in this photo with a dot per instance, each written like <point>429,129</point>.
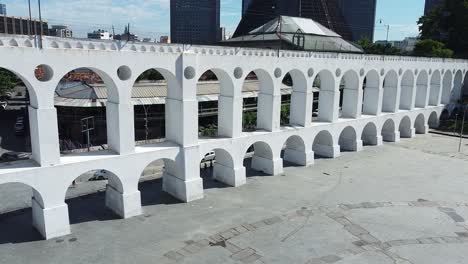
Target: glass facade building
<point>195,21</point>
<point>3,9</point>
<point>431,4</point>
<point>360,16</point>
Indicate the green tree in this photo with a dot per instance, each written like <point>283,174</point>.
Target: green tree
<point>8,81</point>
<point>285,110</point>
<point>432,48</point>
<point>448,23</point>
<point>249,121</point>
<point>380,49</point>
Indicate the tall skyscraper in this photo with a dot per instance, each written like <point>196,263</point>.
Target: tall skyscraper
<point>352,19</point>
<point>195,21</point>
<point>430,4</point>
<point>245,5</point>
<point>360,16</point>
<point>3,9</point>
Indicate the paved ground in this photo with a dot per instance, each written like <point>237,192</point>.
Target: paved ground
<point>399,203</point>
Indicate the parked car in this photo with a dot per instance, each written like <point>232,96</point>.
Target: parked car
<point>14,156</point>
<point>210,156</point>
<point>99,175</point>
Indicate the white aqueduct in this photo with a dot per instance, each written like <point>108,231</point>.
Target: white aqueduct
<point>403,96</point>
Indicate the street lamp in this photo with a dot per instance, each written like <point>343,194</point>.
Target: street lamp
<point>381,21</point>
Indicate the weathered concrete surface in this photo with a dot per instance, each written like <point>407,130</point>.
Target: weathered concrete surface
<point>399,203</point>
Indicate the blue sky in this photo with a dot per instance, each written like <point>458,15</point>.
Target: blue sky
<point>150,18</point>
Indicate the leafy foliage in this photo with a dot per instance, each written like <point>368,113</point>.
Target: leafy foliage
<point>209,131</point>
<point>432,48</point>
<point>249,121</point>
<point>448,23</point>
<point>379,49</point>
<point>8,81</point>
<point>285,110</point>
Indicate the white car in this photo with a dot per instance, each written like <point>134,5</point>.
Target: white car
<point>210,156</point>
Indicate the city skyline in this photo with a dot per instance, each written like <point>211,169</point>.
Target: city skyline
<point>151,17</point>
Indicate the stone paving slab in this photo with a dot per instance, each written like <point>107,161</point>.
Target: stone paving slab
<point>434,254</point>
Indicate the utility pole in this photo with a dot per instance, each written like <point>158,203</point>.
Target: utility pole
<point>41,32</point>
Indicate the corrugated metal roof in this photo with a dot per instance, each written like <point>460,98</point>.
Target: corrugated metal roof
<point>77,94</point>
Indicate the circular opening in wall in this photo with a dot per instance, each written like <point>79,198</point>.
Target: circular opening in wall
<point>189,72</point>
<point>238,73</point>
<point>124,73</point>
<point>43,73</point>
<point>278,72</point>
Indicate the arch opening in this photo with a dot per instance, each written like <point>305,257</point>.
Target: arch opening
<point>86,123</point>
<point>390,92</point>
<point>294,152</point>
<point>149,94</point>
<point>421,89</point>
<point>407,86</point>
<point>218,171</point>
<point>152,179</point>
<point>328,108</point>
<point>349,95</point>
<point>348,140</point>
<point>405,128</point>
<point>369,135</point>
<point>420,124</point>
<point>293,101</point>
<point>433,120</point>
<point>389,131</point>
<point>371,90</point>
<point>435,89</point>
<point>95,206</point>
<point>259,161</point>
<point>457,87</point>
<point>15,135</point>
<point>447,87</point>
<point>323,145</point>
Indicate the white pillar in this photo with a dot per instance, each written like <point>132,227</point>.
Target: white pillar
<point>301,108</point>
<point>120,127</point>
<point>44,135</point>
<point>327,151</point>
<point>230,116</point>
<point>50,221</point>
<point>328,106</point>
<point>269,111</point>
<point>231,176</point>
<point>299,157</point>
<point>123,204</point>
<point>391,99</point>
<point>352,102</point>
<point>374,101</point>
<point>271,166</point>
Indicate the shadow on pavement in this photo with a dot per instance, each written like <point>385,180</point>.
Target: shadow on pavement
<point>152,193</point>
<point>249,172</point>
<point>16,227</point>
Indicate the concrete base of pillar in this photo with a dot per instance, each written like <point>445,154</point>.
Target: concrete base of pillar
<point>422,130</point>
<point>351,145</point>
<point>124,205</point>
<point>411,133</point>
<point>299,157</point>
<point>327,151</point>
<point>184,190</point>
<point>268,166</point>
<point>373,140</point>
<point>50,222</point>
<point>391,137</point>
<point>231,176</point>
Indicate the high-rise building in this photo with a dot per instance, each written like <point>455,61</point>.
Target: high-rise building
<point>23,26</point>
<point>352,19</point>
<point>430,4</point>
<point>195,21</point>
<point>3,9</point>
<point>360,17</point>
<point>99,34</point>
<point>245,6</point>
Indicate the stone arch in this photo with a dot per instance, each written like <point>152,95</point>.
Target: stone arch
<point>328,103</point>
<point>13,43</point>
<point>371,91</point>
<point>434,93</point>
<point>349,95</point>
<point>406,131</point>
<point>54,45</point>
<point>323,145</point>
<point>433,120</point>
<point>224,169</point>
<point>389,131</point>
<point>420,124</point>
<point>464,92</point>
<point>67,45</point>
<point>79,45</point>
<point>348,139</point>
<point>457,86</point>
<point>369,135</point>
<point>390,92</point>
<point>28,43</point>
<point>407,87</point>
<point>263,159</point>
<point>114,191</point>
<point>447,83</point>
<point>422,83</point>
<point>295,151</point>
<point>169,171</point>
